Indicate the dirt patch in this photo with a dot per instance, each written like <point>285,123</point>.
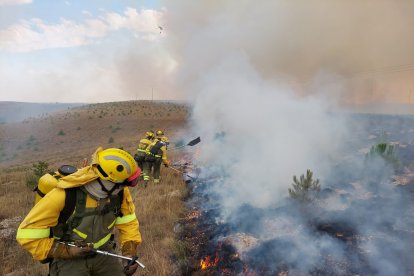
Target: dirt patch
<point>8,227</point>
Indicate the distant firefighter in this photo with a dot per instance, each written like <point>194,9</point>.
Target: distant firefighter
<point>142,148</point>
<point>160,135</point>
<point>156,154</point>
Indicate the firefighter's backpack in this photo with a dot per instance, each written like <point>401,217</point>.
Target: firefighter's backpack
<point>75,201</point>
<point>49,181</point>
<point>154,151</point>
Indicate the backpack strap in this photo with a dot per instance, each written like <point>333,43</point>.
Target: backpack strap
<point>79,211</point>
<point>61,229</point>
<point>74,210</point>
<point>38,191</point>
<point>80,205</point>
<point>116,202</point>
<point>70,200</point>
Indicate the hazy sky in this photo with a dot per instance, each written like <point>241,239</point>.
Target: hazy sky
<point>103,50</point>
<point>79,51</point>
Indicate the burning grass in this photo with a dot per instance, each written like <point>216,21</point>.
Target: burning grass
<point>360,224</point>
<point>318,241</point>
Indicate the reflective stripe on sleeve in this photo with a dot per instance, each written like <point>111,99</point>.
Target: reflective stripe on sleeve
<point>125,219</point>
<point>33,233</point>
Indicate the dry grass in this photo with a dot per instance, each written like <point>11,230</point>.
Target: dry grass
<point>158,206</point>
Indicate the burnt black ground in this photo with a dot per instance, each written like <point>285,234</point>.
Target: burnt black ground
<point>372,235</point>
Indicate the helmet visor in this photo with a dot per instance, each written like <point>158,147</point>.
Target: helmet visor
<point>132,181</point>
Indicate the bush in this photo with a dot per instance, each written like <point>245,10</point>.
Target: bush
<point>305,190</point>
<point>61,133</point>
<point>385,151</point>
<point>38,169</point>
<point>31,181</point>
<point>111,140</point>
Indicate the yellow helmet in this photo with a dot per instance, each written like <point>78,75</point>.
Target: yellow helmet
<point>117,166</point>
<point>160,133</point>
<point>149,134</point>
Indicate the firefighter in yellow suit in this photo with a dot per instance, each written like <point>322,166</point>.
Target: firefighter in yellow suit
<point>160,135</point>
<point>141,153</point>
<point>99,209</point>
<point>156,154</point>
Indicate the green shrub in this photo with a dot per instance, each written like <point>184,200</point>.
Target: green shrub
<point>385,151</point>
<point>31,181</point>
<point>305,190</point>
<point>38,169</point>
<point>61,133</point>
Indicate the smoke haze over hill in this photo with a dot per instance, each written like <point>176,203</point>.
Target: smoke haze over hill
<point>344,44</point>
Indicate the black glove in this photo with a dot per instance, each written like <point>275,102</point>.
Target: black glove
<point>130,266</point>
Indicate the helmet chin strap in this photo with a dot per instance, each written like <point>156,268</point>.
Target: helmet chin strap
<point>109,192</point>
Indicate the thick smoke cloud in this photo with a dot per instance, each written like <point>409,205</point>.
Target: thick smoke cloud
<point>366,42</point>
<point>265,80</point>
<point>260,133</point>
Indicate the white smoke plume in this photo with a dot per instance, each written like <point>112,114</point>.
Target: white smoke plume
<point>265,80</point>
<point>261,133</point>
<point>244,65</point>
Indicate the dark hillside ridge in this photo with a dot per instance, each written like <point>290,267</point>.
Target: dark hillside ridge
<point>11,112</point>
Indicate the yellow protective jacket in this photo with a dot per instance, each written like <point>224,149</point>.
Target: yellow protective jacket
<point>33,233</point>
<point>165,139</point>
<point>143,144</point>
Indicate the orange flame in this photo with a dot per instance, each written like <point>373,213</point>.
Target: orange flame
<point>194,214</point>
<point>207,262</point>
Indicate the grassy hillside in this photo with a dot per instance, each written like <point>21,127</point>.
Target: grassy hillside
<point>68,138</point>
<point>72,134</point>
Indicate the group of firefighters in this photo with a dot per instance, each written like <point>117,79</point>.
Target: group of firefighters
<point>151,152</point>
<point>71,227</point>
